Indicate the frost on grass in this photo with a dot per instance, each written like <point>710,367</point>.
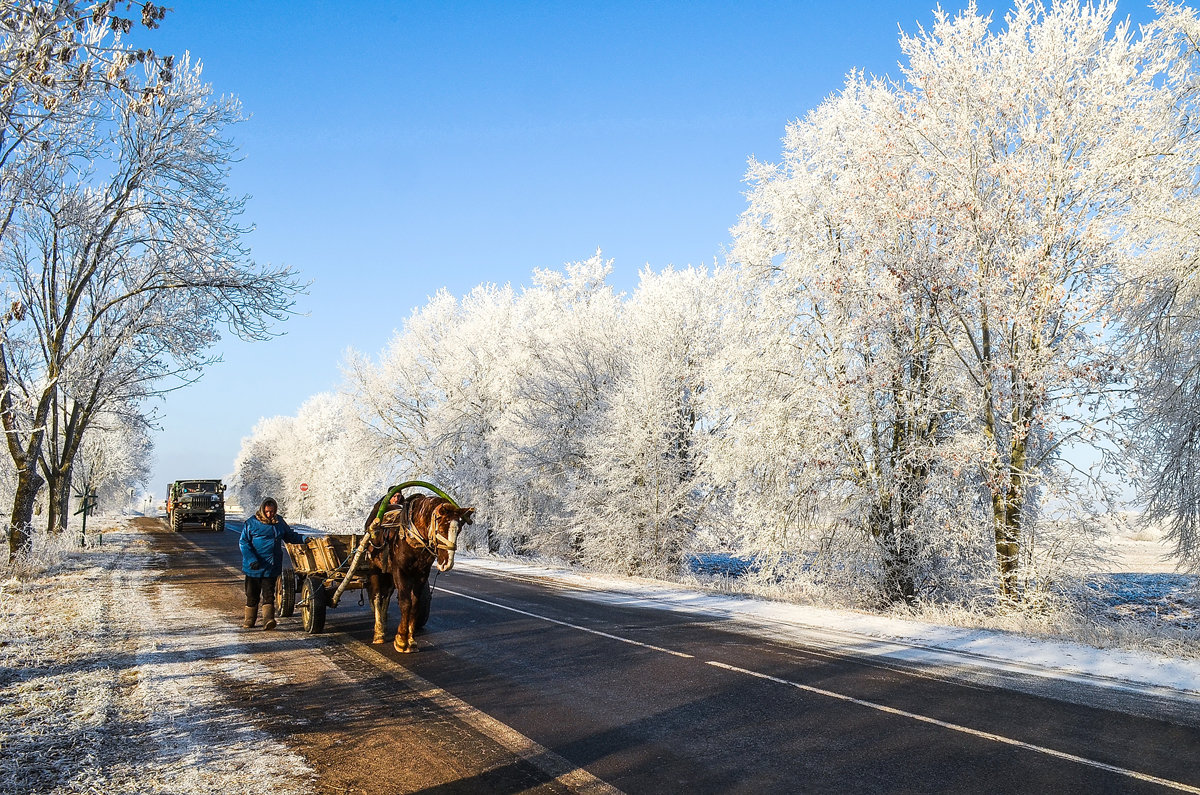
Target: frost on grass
<point>109,683</point>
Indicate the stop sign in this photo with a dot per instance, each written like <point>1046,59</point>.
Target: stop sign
<point>303,487</point>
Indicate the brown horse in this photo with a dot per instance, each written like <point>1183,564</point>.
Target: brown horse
<point>404,545</point>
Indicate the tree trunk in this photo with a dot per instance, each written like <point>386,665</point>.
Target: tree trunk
<point>59,500</point>
<point>29,483</point>
<point>1008,541</point>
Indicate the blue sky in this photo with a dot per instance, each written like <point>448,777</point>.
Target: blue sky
<point>393,149</point>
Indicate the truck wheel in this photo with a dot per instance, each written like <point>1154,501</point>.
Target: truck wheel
<point>424,600</point>
<point>219,526</point>
<point>285,594</point>
<point>312,605</point>
<point>176,522</point>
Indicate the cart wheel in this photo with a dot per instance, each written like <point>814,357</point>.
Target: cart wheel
<point>312,605</point>
<point>424,599</point>
<point>285,594</point>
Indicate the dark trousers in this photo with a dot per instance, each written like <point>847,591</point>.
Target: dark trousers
<point>260,586</point>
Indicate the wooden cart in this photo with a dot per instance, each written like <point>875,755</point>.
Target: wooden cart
<point>320,573</point>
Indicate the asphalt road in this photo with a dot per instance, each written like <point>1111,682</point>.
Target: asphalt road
<point>651,701</point>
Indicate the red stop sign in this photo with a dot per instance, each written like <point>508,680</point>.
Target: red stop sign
<point>303,487</point>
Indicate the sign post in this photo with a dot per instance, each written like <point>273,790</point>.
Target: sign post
<point>89,505</point>
<point>303,494</point>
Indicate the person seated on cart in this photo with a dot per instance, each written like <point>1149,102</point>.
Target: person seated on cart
<point>261,541</point>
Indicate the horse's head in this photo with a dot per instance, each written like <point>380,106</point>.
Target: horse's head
<point>448,521</point>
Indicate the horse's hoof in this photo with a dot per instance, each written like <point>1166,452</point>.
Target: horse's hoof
<point>399,647</point>
<point>377,640</point>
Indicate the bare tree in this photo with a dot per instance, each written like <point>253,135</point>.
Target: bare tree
<point>130,255</point>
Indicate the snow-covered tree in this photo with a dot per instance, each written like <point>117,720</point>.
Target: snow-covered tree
<point>262,467</point>
<point>342,463</point>
<point>645,492</point>
<point>844,417</point>
<point>124,247</point>
<point>1162,307</point>
<point>568,330</point>
<point>971,225</point>
<point>494,398</point>
<point>437,393</point>
<point>114,458</point>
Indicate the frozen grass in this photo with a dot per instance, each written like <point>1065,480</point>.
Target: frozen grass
<point>98,695</point>
<point>1137,602</point>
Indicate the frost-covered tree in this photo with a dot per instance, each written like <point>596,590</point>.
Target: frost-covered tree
<point>114,458</point>
<point>62,67</point>
<point>326,446</point>
<point>261,468</point>
<point>1052,145</point>
<point>340,461</point>
<point>1162,308</point>
<point>436,395</point>
<point>995,198</point>
<point>844,417</point>
<point>645,490</point>
<point>568,330</point>
<point>126,248</point>
<point>494,398</point>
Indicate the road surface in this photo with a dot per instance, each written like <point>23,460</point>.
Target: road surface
<point>524,686</point>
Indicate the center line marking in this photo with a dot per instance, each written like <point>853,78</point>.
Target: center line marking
<point>999,738</point>
<point>965,729</point>
<point>572,626</point>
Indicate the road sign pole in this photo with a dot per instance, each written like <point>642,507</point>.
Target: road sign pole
<point>89,503</point>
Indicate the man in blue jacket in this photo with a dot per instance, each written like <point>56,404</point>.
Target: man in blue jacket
<point>261,541</point>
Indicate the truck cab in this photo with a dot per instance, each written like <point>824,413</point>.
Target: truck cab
<point>199,501</point>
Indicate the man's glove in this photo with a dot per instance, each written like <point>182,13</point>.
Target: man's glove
<point>255,566</point>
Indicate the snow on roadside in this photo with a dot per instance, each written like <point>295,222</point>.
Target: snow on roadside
<point>880,635</point>
<point>107,685</point>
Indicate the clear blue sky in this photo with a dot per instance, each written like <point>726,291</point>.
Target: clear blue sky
<point>394,149</point>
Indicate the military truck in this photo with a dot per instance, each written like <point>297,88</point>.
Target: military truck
<point>196,501</point>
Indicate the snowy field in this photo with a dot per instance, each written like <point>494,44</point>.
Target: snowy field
<point>98,694</point>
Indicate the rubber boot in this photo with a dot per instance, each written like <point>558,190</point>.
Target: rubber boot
<point>268,616</point>
<point>251,617</point>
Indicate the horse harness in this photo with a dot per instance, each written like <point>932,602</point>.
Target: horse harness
<point>392,525</point>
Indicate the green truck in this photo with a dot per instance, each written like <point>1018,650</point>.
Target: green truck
<point>196,502</point>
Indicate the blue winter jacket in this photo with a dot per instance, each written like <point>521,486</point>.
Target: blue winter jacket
<point>262,546</point>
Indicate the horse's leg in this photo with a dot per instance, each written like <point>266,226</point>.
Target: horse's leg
<point>380,596</point>
<point>403,641</point>
<point>385,599</point>
<point>410,626</point>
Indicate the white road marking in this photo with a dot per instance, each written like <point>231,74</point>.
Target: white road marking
<point>546,754</point>
<point>999,738</point>
<point>557,767</point>
<point>861,702</point>
<point>572,626</point>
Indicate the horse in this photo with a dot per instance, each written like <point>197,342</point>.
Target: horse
<point>404,544</point>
